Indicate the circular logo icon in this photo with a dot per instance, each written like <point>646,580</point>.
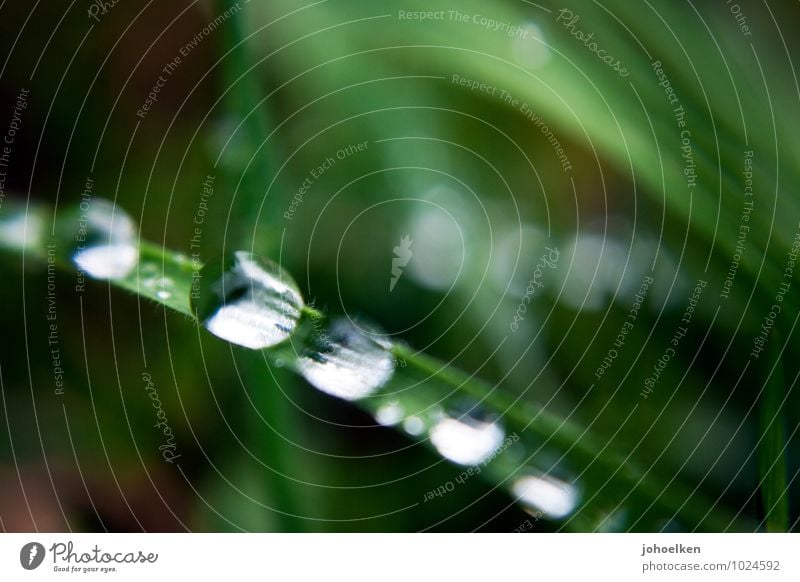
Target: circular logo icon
<point>31,555</point>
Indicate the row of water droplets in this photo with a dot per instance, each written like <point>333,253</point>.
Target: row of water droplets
<point>252,302</point>
<point>101,241</point>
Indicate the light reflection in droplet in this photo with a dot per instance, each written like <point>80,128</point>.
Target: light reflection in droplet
<point>555,499</point>
<point>390,414</point>
<point>161,286</point>
<point>105,246</point>
<point>348,364</point>
<point>466,442</point>
<point>529,47</point>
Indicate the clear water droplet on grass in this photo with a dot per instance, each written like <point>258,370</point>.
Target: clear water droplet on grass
<point>552,497</point>
<point>100,239</point>
<point>466,440</point>
<point>152,278</point>
<point>390,414</point>
<point>414,425</point>
<point>247,300</point>
<point>163,288</point>
<point>345,362</point>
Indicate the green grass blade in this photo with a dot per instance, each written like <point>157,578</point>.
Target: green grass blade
<point>601,465</point>
<point>772,469</point>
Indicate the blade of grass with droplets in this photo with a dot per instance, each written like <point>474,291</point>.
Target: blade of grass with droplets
<point>427,382</point>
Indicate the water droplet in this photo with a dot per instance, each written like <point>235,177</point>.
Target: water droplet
<point>21,229</point>
<point>414,425</point>
<point>100,238</point>
<point>466,440</point>
<point>152,280</point>
<point>346,362</point>
<point>555,499</point>
<point>615,521</point>
<point>247,300</point>
<point>162,286</point>
<point>530,48</point>
<point>389,414</point>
